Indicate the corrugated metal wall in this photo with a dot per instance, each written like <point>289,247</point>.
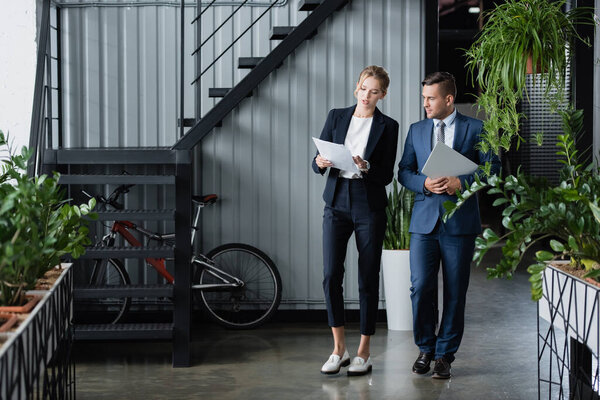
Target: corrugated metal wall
<point>121,90</point>
<point>121,75</point>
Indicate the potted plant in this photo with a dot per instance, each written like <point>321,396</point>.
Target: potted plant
<point>37,226</point>
<point>566,216</point>
<point>520,35</point>
<point>395,258</point>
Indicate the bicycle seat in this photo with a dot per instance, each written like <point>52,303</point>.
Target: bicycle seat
<point>205,200</point>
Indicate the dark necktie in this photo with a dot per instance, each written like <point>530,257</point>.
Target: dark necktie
<point>440,136</point>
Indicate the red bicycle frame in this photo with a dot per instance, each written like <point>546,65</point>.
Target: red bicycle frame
<point>121,227</point>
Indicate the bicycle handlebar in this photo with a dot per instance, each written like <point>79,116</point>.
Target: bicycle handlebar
<point>113,198</point>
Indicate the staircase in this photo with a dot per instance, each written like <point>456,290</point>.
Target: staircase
<point>70,162</point>
<point>290,37</point>
<point>79,167</point>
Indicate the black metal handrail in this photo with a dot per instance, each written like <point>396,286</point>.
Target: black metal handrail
<point>232,43</point>
<point>38,116</point>
<point>203,11</point>
<point>218,27</point>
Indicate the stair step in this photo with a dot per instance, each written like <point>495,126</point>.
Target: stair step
<point>129,252</point>
<point>117,179</point>
<point>309,5</point>
<point>248,62</point>
<point>97,156</point>
<point>280,32</point>
<point>136,215</point>
<point>221,92</point>
<point>149,331</point>
<point>98,292</point>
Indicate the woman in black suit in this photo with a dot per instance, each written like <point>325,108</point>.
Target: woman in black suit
<point>355,202</point>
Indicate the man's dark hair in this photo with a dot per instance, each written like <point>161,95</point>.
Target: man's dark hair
<point>444,79</point>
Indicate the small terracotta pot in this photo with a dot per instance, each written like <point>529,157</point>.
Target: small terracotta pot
<point>9,321</point>
<point>27,307</point>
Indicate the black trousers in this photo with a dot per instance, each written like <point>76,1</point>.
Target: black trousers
<point>349,214</point>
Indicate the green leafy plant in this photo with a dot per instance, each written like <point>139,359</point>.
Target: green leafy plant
<point>516,33</point>
<point>566,216</point>
<point>37,226</point>
<point>398,212</point>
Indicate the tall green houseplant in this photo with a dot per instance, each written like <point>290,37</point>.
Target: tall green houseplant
<point>565,217</point>
<point>37,226</point>
<point>398,212</point>
<point>518,33</point>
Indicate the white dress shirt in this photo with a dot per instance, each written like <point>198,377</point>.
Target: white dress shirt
<point>356,141</point>
<point>448,129</point>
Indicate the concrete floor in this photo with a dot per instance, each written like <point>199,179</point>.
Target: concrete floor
<point>497,359</point>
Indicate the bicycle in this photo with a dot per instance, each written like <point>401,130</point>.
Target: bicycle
<point>238,284</point>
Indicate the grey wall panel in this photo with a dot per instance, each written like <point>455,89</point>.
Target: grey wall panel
<point>258,162</point>
<point>121,75</point>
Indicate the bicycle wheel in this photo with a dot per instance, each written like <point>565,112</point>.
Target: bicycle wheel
<point>108,310</point>
<point>247,306</point>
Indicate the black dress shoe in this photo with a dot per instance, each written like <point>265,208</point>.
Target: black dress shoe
<point>441,369</point>
<point>421,366</point>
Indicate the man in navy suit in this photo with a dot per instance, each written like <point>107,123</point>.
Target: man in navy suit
<point>433,241</point>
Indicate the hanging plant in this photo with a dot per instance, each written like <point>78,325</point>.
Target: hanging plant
<point>518,33</point>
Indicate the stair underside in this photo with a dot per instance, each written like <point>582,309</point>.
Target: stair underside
<point>129,252</point>
<point>122,155</point>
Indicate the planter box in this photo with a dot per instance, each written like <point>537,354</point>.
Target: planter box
<point>35,359</point>
<point>396,283</point>
<point>569,347</point>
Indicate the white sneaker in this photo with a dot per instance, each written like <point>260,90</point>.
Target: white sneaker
<point>335,362</point>
<point>360,367</point>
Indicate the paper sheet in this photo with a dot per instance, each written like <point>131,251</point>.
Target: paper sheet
<point>445,161</point>
<point>339,155</point>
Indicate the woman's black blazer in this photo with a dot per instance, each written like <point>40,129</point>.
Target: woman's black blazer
<point>380,152</point>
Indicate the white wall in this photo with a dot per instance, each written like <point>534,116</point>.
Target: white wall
<point>17,67</point>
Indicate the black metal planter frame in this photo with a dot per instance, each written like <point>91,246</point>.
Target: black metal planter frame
<point>568,347</point>
<point>35,361</point>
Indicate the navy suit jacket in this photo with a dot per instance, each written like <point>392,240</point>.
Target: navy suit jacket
<point>380,152</point>
<point>429,208</point>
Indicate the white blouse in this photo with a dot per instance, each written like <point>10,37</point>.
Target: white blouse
<point>356,141</point>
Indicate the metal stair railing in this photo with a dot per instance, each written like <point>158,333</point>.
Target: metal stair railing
<point>183,121</point>
<point>42,116</point>
<point>237,39</point>
<point>242,89</point>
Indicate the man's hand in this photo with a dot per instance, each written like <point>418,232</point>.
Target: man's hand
<point>322,162</point>
<point>445,184</point>
<point>453,185</point>
<point>437,185</point>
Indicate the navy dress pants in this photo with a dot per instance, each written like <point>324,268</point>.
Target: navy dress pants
<point>350,213</point>
<point>455,253</point>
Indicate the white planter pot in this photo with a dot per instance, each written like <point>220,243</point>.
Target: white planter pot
<point>396,284</point>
